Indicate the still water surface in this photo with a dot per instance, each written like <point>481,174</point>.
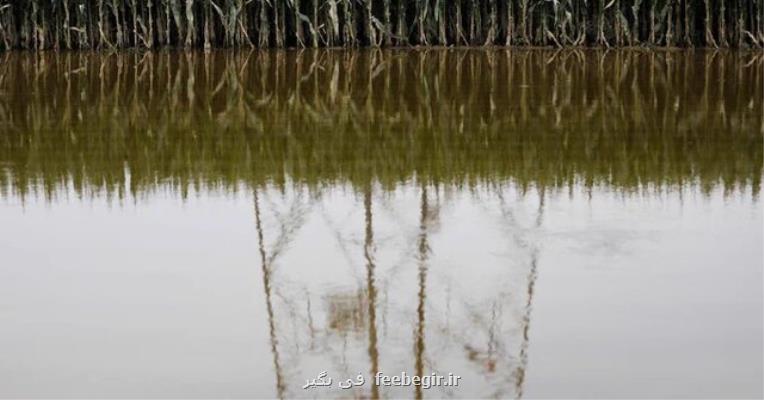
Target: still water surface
<point>541,223</point>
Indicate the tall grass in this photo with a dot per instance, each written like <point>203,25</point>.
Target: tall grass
<point>133,123</point>
<point>148,24</point>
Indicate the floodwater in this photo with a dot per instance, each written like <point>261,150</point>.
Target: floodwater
<point>233,224</point>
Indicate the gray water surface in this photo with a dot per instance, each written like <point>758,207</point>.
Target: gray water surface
<point>229,225</point>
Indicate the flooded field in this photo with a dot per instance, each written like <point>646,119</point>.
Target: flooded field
<point>541,223</point>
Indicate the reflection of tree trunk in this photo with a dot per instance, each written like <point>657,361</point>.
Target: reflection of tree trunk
<point>540,213</point>
<point>526,328</point>
<point>268,302</point>
<point>371,292</point>
<point>423,250</point>
<point>528,306</point>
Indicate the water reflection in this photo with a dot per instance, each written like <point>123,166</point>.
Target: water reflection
<point>471,320</point>
<point>401,199</point>
<point>127,122</point>
<point>266,267</point>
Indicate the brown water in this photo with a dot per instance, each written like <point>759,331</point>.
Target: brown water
<point>540,223</point>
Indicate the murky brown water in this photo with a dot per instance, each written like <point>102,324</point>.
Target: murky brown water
<point>540,223</point>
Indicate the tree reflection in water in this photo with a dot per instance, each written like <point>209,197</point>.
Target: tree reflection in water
<point>485,336</point>
<point>408,134</point>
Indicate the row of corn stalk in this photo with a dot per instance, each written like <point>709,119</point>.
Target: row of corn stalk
<point>148,24</point>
